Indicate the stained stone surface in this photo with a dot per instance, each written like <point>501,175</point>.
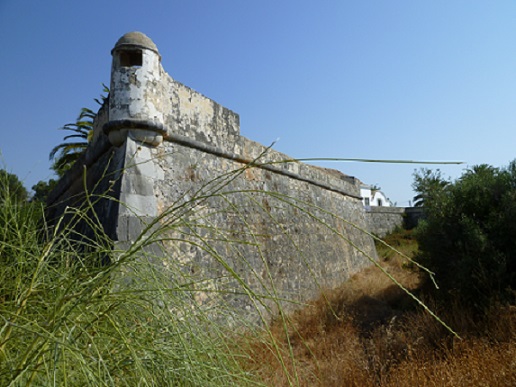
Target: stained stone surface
<point>224,203</point>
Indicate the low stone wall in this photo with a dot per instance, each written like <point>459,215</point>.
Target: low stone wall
<point>383,220</point>
<point>412,216</point>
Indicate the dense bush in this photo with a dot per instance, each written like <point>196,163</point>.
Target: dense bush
<point>468,236</point>
<point>11,187</point>
<point>42,189</point>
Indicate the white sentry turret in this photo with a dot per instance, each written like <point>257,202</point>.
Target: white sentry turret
<point>135,98</point>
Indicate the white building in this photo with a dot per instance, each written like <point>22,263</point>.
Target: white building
<point>372,197</point>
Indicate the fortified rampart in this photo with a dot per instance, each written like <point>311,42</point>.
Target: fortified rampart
<point>169,156</point>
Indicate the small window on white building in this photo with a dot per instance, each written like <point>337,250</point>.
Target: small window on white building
<point>366,201</point>
<point>380,203</point>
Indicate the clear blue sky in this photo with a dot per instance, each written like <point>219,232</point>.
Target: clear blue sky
<point>422,80</point>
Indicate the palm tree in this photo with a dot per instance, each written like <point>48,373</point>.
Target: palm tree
<point>66,154</point>
<point>427,184</point>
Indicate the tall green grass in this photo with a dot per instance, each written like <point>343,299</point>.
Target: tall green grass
<point>66,320</point>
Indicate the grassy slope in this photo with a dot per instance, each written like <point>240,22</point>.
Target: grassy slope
<point>369,333</point>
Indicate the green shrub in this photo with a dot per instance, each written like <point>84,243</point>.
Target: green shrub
<point>11,188</point>
<point>468,236</point>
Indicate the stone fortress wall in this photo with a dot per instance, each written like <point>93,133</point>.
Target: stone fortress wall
<point>169,155</point>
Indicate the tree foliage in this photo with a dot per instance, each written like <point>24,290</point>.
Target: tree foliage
<point>468,236</point>
<point>427,183</point>
<point>64,155</point>
<point>67,153</point>
<point>42,189</point>
<point>11,188</point>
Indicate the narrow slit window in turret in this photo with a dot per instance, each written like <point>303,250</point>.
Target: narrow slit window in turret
<point>133,58</point>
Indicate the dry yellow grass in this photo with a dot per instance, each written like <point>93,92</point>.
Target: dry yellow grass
<point>369,333</point>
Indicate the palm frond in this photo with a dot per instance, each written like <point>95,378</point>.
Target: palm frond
<point>82,128</point>
<point>84,136</point>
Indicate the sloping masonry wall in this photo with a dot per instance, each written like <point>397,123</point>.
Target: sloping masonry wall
<point>169,156</point>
